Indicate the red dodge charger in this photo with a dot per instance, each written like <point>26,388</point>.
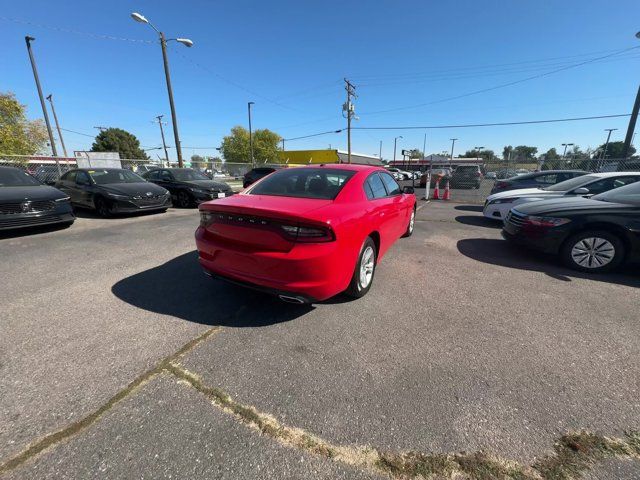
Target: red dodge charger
<point>306,233</point>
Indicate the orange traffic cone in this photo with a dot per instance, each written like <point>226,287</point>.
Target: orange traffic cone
<point>436,191</point>
<point>447,192</point>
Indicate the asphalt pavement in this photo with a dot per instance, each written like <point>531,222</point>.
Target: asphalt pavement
<point>118,358</point>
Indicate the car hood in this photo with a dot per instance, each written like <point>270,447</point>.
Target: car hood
<point>35,192</point>
<point>524,192</point>
<point>208,185</point>
<point>132,189</point>
<point>571,204</point>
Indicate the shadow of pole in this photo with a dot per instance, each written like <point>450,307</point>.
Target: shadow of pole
<point>179,288</point>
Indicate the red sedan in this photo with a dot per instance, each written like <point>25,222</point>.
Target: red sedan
<point>306,233</point>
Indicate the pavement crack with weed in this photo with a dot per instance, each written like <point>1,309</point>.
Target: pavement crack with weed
<point>574,453</point>
<point>58,436</point>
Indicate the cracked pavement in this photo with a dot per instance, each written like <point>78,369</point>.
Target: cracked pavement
<point>463,343</point>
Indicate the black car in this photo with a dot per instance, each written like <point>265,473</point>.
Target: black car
<point>113,190</point>
<point>256,174</point>
<point>25,202</point>
<point>594,234</point>
<point>538,179</point>
<point>466,176</point>
<point>49,174</point>
<point>188,186</point>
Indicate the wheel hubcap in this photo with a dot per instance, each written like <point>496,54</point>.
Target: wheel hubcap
<point>593,252</point>
<point>366,267</point>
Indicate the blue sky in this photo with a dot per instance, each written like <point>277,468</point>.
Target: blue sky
<point>290,57</point>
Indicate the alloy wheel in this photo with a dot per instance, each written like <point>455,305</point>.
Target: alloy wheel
<point>367,265</point>
<point>593,252</point>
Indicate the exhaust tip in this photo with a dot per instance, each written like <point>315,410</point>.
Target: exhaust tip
<point>288,299</point>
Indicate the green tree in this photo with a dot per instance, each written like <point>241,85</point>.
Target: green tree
<point>487,155</point>
<point>121,141</point>
<point>614,150</point>
<point>507,152</point>
<point>523,154</point>
<point>19,136</point>
<point>235,147</point>
<point>197,161</point>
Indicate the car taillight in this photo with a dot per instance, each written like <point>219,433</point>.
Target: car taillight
<point>545,222</point>
<point>308,234</point>
<point>206,219</point>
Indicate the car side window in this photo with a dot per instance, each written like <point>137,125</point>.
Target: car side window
<point>152,175</point>
<point>82,178</point>
<point>69,177</point>
<point>621,182</point>
<point>390,184</point>
<point>549,179</point>
<point>376,187</point>
<point>166,175</point>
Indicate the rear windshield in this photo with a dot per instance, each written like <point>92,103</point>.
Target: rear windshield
<point>466,169</point>
<point>571,184</point>
<point>12,177</point>
<point>629,194</point>
<point>320,183</point>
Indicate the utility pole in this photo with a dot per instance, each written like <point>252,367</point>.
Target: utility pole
<point>632,124</point>
<point>174,118</point>
<point>349,110</point>
<point>453,142</point>
<point>283,144</point>
<point>55,119</point>
<point>250,134</point>
<point>380,155</point>
<point>395,142</point>
<point>164,144</point>
<point>29,39</point>
<point>606,144</point>
<point>564,154</point>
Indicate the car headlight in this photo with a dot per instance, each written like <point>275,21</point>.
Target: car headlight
<point>118,197</point>
<point>63,199</point>
<point>546,221</point>
<point>504,200</point>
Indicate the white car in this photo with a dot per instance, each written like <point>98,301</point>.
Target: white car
<point>498,205</point>
<point>399,174</point>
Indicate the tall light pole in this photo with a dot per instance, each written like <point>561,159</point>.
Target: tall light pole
<point>606,144</point>
<point>453,142</point>
<point>55,119</point>
<point>29,39</point>
<point>380,155</point>
<point>632,122</point>
<point>250,133</point>
<point>164,144</point>
<point>163,42</point>
<point>565,145</point>
<point>395,143</point>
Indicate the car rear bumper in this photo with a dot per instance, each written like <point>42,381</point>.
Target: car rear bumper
<point>307,270</point>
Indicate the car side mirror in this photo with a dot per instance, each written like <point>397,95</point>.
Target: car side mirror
<point>408,189</point>
<point>581,191</point>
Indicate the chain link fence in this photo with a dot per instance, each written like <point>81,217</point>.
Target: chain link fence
<point>49,169</point>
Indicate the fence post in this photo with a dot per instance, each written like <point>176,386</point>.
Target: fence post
<point>59,169</point>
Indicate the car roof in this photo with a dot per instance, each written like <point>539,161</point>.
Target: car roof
<point>9,168</point>
<point>612,174</point>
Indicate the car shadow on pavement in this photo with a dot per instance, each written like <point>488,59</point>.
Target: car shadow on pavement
<point>30,231</point>
<point>502,253</point>
<point>93,215</point>
<point>478,221</point>
<point>179,288</point>
<point>469,208</point>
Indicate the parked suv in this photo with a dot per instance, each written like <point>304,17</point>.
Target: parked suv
<point>256,174</point>
<point>466,176</point>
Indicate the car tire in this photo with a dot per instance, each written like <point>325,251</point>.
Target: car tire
<point>593,251</point>
<point>364,271</point>
<point>102,207</point>
<point>184,199</point>
<point>410,227</point>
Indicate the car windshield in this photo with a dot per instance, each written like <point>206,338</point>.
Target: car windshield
<point>104,177</point>
<point>319,183</point>
<point>12,177</point>
<point>188,175</point>
<point>629,194</point>
<point>571,184</point>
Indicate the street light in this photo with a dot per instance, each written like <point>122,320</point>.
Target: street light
<point>565,145</point>
<point>163,42</point>
<point>628,139</point>
<point>250,133</point>
<point>395,141</point>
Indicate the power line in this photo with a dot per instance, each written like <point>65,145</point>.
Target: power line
<point>75,32</point>
<point>313,135</point>
<point>78,133</point>
<point>497,124</point>
<point>503,85</point>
